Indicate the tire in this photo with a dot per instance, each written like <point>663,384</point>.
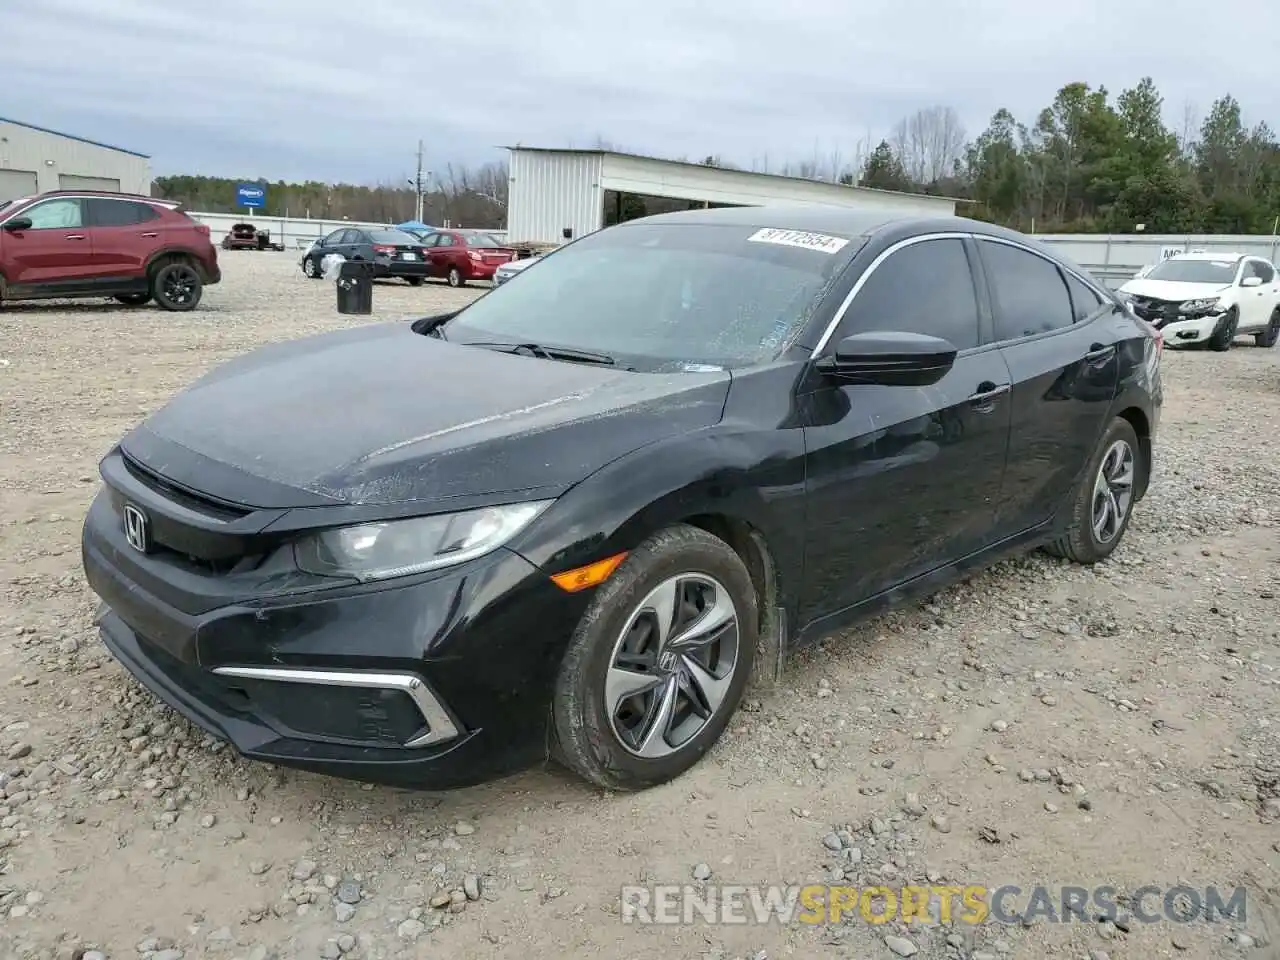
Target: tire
<point>311,269</point>
<point>134,299</point>
<point>1269,336</point>
<point>455,278</point>
<point>1082,543</point>
<point>414,281</point>
<point>604,742</point>
<point>177,286</point>
<point>1222,337</point>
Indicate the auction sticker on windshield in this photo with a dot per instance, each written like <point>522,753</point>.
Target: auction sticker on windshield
<point>798,238</point>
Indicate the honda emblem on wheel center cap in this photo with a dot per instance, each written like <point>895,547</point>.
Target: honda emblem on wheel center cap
<point>667,662</point>
<point>135,528</point>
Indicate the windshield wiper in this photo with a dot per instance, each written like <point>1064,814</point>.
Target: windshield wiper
<point>547,353</point>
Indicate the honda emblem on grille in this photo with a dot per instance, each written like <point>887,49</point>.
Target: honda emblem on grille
<point>135,528</point>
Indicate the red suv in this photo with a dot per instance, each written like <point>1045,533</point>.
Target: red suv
<point>85,244</point>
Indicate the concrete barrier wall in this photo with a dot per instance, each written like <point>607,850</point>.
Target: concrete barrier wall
<point>294,232</point>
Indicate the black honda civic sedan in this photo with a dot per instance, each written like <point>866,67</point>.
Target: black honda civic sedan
<point>572,518</point>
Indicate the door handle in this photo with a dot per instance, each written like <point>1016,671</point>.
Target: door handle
<point>151,236</point>
<point>987,393</point>
<point>1099,352</point>
<point>74,236</point>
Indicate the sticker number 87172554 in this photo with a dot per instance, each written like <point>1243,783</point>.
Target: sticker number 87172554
<point>799,238</point>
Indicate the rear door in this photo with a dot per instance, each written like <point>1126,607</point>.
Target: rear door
<point>902,480</point>
<point>1059,339</point>
<point>125,234</point>
<point>55,249</point>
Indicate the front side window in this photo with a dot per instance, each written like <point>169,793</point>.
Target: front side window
<point>445,240</point>
<point>60,214</point>
<point>924,288</point>
<point>663,296</point>
<point>1030,295</point>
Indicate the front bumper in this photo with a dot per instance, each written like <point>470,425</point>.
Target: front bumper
<point>1191,331</point>
<point>433,682</point>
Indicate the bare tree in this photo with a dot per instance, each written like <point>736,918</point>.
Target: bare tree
<point>1190,128</point>
<point>928,143</point>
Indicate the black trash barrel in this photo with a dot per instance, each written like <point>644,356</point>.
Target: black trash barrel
<point>355,287</point>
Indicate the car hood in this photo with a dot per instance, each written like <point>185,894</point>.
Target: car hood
<point>1172,289</point>
<point>380,414</point>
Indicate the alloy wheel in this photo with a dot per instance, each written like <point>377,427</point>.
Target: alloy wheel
<point>672,666</point>
<point>1113,491</point>
<point>179,284</point>
<point>309,267</point>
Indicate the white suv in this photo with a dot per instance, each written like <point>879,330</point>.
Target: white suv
<point>1212,298</point>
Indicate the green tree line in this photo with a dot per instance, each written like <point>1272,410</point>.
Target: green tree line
<point>1090,164</point>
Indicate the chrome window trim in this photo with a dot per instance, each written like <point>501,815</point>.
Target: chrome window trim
<point>167,204</point>
<point>885,254</point>
<point>439,727</point>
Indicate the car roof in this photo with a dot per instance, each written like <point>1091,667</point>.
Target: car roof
<point>107,195</point>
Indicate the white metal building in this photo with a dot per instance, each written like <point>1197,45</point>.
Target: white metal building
<point>35,160</point>
<point>554,190</point>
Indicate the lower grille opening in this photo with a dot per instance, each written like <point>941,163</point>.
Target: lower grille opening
<point>359,716</point>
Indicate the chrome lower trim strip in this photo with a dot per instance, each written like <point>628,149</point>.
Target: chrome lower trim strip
<point>439,727</point>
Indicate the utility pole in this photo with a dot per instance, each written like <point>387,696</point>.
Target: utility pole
<point>417,185</point>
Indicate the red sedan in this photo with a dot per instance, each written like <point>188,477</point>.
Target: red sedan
<point>462,255</point>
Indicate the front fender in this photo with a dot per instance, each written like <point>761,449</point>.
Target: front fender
<point>730,470</point>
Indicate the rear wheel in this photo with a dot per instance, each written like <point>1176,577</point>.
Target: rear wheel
<point>1269,336</point>
<point>455,277</point>
<point>134,299</point>
<point>1226,332</point>
<point>1103,501</point>
<point>658,663</point>
<point>177,286</point>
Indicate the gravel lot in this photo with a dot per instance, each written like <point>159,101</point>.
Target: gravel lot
<point>1041,723</point>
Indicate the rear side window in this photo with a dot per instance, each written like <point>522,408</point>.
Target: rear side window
<point>1029,292</point>
<point>925,288</point>
<point>119,213</point>
<point>1084,302</point>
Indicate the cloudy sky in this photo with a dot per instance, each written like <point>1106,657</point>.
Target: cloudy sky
<point>334,89</point>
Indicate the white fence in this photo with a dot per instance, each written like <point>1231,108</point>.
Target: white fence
<point>1115,258</point>
<point>294,232</point>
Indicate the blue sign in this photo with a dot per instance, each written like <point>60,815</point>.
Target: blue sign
<point>251,195</point>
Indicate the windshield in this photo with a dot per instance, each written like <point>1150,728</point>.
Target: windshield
<point>393,236</point>
<point>480,240</point>
<point>1221,272</point>
<point>662,296</point>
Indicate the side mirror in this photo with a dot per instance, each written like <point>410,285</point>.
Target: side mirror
<point>1251,282</point>
<point>890,359</point>
<point>18,223</point>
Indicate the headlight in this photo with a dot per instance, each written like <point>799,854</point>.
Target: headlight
<point>397,548</point>
<point>1207,305</point>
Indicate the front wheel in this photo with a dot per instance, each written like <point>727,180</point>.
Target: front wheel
<point>1103,502</point>
<point>1226,333</point>
<point>310,268</point>
<point>177,286</point>
<point>658,663</point>
<point>134,299</point>
<point>455,277</point>
<point>1269,336</point>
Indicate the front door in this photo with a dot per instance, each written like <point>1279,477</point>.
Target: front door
<point>902,480</point>
<point>55,249</point>
<point>1057,339</point>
